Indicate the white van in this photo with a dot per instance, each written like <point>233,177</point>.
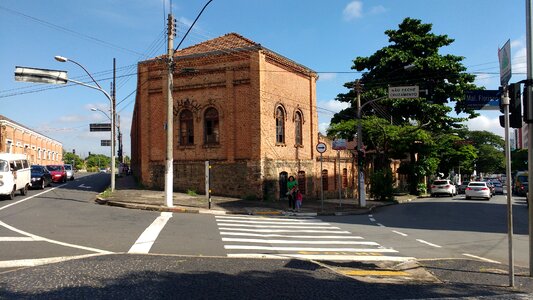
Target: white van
<point>15,174</point>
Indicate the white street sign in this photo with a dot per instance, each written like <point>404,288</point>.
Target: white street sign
<point>321,147</point>
<point>40,75</point>
<point>397,92</point>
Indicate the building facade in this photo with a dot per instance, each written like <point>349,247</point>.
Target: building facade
<point>247,110</point>
<point>19,139</point>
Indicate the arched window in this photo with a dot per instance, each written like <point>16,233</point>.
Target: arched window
<point>298,128</point>
<point>280,125</point>
<point>186,128</point>
<point>325,180</point>
<point>344,178</point>
<point>211,130</point>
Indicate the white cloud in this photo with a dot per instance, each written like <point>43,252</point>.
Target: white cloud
<point>323,127</point>
<point>485,123</point>
<point>333,105</point>
<point>487,80</point>
<point>327,76</point>
<point>518,59</point>
<point>326,110</point>
<point>353,10</point>
<point>377,10</point>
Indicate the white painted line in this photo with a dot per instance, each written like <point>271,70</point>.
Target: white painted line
<point>281,222</point>
<point>371,216</point>
<point>278,226</point>
<point>250,247</point>
<point>380,225</point>
<point>260,241</point>
<point>145,242</point>
<point>324,257</point>
<point>39,261</point>
<point>428,243</point>
<point>292,236</point>
<point>295,220</point>
<point>53,241</point>
<point>372,219</point>
<point>18,239</point>
<point>400,233</point>
<point>482,258</point>
<point>286,230</point>
<point>30,197</point>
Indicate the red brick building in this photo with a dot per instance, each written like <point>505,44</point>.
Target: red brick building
<point>19,139</point>
<point>248,110</point>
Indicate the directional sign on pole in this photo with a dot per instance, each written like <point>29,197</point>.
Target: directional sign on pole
<point>321,147</point>
<point>398,92</point>
<point>100,127</point>
<point>504,56</point>
<point>105,143</point>
<point>482,100</point>
<point>40,75</point>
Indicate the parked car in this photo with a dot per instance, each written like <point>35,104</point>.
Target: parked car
<point>443,186</point>
<point>520,184</point>
<point>492,188</point>
<point>70,171</point>
<point>40,177</point>
<point>478,189</point>
<point>462,187</point>
<point>15,174</point>
<point>58,172</point>
<point>498,187</point>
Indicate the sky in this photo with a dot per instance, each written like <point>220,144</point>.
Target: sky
<point>325,36</point>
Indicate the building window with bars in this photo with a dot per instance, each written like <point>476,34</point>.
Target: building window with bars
<point>186,128</point>
<point>211,129</point>
<point>298,128</point>
<point>325,180</point>
<point>301,181</point>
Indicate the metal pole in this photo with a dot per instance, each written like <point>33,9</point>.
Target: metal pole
<point>113,104</point>
<point>321,184</point>
<point>339,177</point>
<point>169,165</point>
<point>207,180</point>
<point>529,45</point>
<point>360,175</point>
<point>509,196</point>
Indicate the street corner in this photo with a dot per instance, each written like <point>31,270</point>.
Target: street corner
<point>262,211</point>
<point>100,200</point>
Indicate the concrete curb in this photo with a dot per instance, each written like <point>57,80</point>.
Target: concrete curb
<point>178,209</point>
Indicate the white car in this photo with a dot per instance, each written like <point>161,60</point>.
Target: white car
<point>443,186</point>
<point>478,189</point>
<point>70,171</point>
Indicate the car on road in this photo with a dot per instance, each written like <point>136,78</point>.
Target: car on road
<point>40,177</point>
<point>491,186</point>
<point>498,187</point>
<point>462,187</point>
<point>478,189</point>
<point>520,183</point>
<point>58,172</point>
<point>443,186</point>
<point>70,171</point>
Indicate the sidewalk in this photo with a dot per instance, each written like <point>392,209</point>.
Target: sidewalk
<point>129,195</point>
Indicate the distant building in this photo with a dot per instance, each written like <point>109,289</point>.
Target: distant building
<point>17,138</point>
<point>249,111</point>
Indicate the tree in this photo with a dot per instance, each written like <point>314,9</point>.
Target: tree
<point>74,159</point>
<point>442,76</point>
<point>490,151</point>
<point>519,160</point>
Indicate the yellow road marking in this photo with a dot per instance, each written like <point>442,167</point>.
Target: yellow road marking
<point>373,273</point>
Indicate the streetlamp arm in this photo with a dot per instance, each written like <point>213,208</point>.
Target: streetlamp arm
<point>94,80</point>
<point>92,87</point>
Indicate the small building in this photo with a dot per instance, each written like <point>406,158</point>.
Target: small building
<point>246,109</point>
<point>19,139</point>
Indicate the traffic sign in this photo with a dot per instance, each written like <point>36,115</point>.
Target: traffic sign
<point>321,147</point>
<point>397,92</point>
<point>504,56</point>
<point>100,127</point>
<point>482,100</point>
<point>105,143</point>
<point>339,144</point>
<point>40,75</point>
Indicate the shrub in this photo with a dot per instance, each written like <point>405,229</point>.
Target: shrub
<point>382,185</point>
<point>191,192</point>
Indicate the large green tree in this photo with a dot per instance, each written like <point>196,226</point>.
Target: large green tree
<point>412,58</point>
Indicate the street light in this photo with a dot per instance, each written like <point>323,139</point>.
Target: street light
<point>111,104</point>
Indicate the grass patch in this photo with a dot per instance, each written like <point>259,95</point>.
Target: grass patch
<point>106,193</point>
<point>192,193</point>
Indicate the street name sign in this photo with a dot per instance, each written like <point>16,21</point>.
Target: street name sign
<point>482,100</point>
<point>100,127</point>
<point>398,92</point>
<point>40,75</point>
<point>339,144</point>
<point>105,143</point>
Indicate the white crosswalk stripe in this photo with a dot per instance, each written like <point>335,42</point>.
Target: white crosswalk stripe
<point>303,238</point>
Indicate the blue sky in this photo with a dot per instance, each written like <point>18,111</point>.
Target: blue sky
<point>322,35</point>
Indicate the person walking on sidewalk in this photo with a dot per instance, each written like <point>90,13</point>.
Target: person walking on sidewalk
<point>299,199</point>
<point>292,187</point>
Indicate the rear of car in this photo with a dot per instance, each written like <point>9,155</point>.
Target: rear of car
<point>478,189</point>
<point>58,173</point>
<point>462,187</point>
<point>70,171</point>
<point>443,187</point>
<point>520,184</point>
<point>40,177</point>
<point>498,187</point>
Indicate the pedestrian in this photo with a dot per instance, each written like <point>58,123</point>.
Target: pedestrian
<point>292,187</point>
<point>299,199</point>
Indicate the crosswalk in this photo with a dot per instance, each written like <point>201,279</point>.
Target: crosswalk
<point>295,237</point>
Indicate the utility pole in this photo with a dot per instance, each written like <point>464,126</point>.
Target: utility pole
<point>169,164</point>
<point>529,114</point>
<point>360,171</point>
<point>113,108</point>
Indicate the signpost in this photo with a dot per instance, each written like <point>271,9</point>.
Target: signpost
<point>40,75</point>
<point>504,56</point>
<point>105,143</point>
<point>398,92</point>
<point>339,144</point>
<point>99,127</point>
<point>321,148</point>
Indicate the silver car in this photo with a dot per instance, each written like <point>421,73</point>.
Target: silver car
<point>70,172</point>
<point>478,189</point>
<point>443,186</point>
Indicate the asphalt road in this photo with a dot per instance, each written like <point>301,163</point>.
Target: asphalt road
<point>58,243</point>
